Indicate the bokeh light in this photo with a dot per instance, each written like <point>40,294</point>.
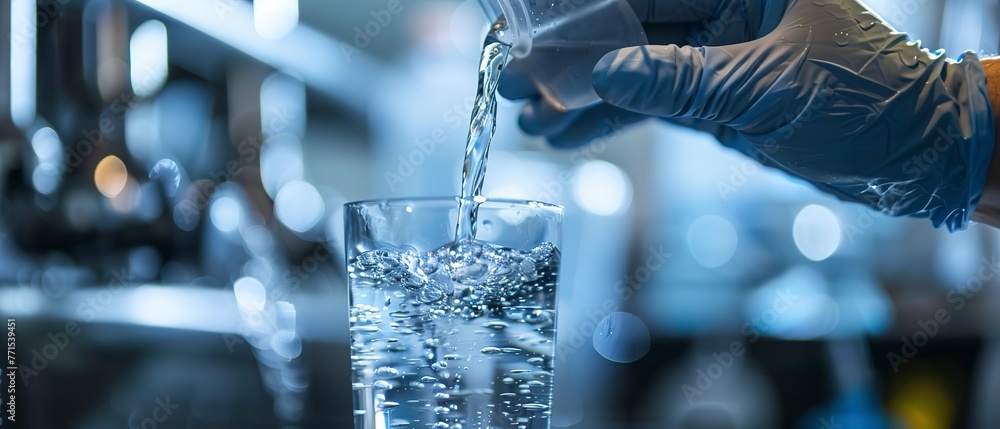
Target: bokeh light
<point>250,294</point>
<point>273,19</point>
<point>168,173</point>
<point>49,152</point>
<point>794,305</point>
<point>299,206</point>
<point>281,162</point>
<point>712,240</point>
<point>621,337</point>
<point>45,143</point>
<point>110,176</point>
<point>602,188</point>
<point>129,198</point>
<point>226,214</point>
<point>23,62</point>
<point>148,54</point>
<point>816,232</point>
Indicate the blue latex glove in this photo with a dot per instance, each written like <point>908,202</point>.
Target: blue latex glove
<point>834,96</point>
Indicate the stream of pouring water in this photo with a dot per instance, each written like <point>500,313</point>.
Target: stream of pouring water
<point>481,129</point>
<point>461,336</point>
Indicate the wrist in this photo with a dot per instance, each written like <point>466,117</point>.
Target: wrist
<point>988,210</point>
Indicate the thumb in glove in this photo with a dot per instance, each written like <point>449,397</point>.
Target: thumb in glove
<point>834,96</point>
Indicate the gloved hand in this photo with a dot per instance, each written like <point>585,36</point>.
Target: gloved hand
<point>834,96</point>
<point>680,22</point>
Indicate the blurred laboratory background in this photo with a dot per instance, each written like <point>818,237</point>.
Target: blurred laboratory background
<point>172,175</point>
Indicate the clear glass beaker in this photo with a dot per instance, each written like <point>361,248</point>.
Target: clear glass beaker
<point>452,335</point>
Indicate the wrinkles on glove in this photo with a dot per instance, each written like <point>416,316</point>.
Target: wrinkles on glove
<point>603,122</point>
<point>681,22</point>
<point>834,96</point>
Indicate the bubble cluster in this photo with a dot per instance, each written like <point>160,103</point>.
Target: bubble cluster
<point>476,273</point>
<point>429,328</point>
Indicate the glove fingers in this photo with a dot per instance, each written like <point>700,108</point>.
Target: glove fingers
<point>668,24</point>
<point>541,118</point>
<point>516,82</point>
<point>672,81</point>
<point>652,11</point>
<point>602,121</point>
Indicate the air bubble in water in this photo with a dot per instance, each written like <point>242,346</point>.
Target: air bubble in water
<point>368,259</point>
<point>543,252</point>
<point>467,250</point>
<point>535,407</point>
<point>410,258</point>
<point>536,317</point>
<point>412,281</point>
<point>427,287</point>
<point>429,265</point>
<point>528,268</point>
<point>386,372</point>
<point>471,274</point>
<point>497,325</point>
<point>429,295</point>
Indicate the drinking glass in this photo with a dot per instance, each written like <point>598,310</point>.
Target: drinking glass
<point>452,335</point>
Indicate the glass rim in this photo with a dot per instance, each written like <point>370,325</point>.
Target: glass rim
<point>455,199</point>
